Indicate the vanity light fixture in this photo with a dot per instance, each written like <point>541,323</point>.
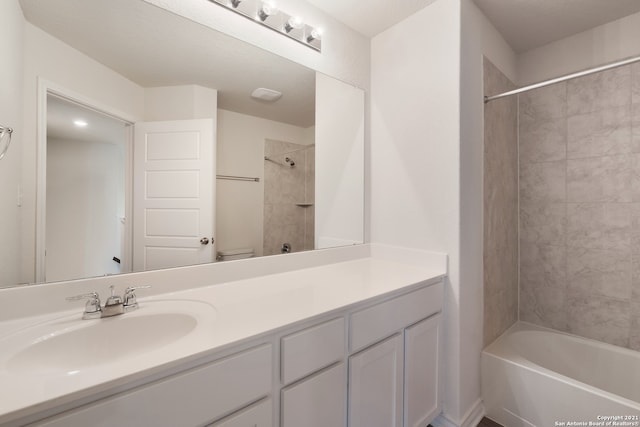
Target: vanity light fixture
<point>266,13</point>
<point>293,23</point>
<point>267,9</point>
<point>316,34</point>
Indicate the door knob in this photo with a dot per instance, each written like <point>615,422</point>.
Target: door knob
<point>204,241</point>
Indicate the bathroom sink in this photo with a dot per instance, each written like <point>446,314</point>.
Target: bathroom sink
<point>69,345</point>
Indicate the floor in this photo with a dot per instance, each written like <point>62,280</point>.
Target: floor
<point>485,422</point>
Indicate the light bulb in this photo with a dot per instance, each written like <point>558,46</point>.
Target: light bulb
<point>268,9</point>
<point>294,23</point>
<point>316,34</point>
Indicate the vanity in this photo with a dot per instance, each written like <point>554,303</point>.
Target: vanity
<point>341,341</point>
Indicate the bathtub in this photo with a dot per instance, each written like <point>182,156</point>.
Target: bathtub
<point>533,376</point>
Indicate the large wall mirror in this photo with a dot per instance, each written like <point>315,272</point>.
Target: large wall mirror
<point>145,149</point>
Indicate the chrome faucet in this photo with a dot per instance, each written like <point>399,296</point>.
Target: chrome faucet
<point>114,306</point>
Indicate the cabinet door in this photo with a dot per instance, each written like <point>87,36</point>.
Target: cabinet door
<point>318,401</point>
<point>375,385</point>
<point>421,397</point>
<point>256,415</point>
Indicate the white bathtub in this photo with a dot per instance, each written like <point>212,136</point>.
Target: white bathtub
<point>532,376</point>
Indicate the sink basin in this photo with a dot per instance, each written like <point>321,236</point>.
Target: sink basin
<point>69,345</point>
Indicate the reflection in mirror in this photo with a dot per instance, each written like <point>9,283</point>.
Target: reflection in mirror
<point>144,65</point>
<point>85,192</point>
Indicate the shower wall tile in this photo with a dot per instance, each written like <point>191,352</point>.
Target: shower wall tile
<point>543,265</point>
<point>599,91</point>
<point>599,272</point>
<point>635,126</point>
<point>634,159</point>
<point>284,187</point>
<point>635,252</point>
<point>617,226</point>
<point>543,182</point>
<point>500,310</point>
<point>599,225</point>
<point>601,133</point>
<point>545,306</point>
<point>500,255</point>
<point>600,318</point>
<point>635,83</point>
<point>634,336</point>
<point>579,262</point>
<point>544,104</point>
<point>543,223</point>
<point>543,141</point>
<point>585,225</point>
<point>600,179</point>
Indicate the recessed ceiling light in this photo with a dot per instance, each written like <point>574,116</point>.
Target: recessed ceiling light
<point>266,94</point>
<point>80,123</point>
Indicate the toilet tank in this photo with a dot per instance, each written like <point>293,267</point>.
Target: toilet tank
<point>233,254</point>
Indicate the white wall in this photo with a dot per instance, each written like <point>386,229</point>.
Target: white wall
<point>180,103</point>
<point>85,194</point>
<point>415,154</point>
<point>607,43</point>
<point>11,45</point>
<point>345,53</point>
<point>479,38</point>
<point>339,179</point>
<point>240,205</point>
<point>50,59</point>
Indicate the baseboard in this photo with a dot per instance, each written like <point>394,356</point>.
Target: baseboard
<point>471,419</point>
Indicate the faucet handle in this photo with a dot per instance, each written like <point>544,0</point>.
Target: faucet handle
<point>92,309</point>
<point>130,299</point>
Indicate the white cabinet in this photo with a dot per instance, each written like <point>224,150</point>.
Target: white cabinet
<point>395,382</point>
<point>375,385</point>
<point>257,415</point>
<point>194,398</point>
<point>421,380</point>
<point>312,349</point>
<point>376,366</point>
<point>382,320</point>
<point>318,401</point>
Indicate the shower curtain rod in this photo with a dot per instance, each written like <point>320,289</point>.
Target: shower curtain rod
<point>563,78</point>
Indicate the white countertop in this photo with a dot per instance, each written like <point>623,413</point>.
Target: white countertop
<point>244,309</point>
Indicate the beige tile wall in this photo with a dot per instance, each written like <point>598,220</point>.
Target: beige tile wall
<point>580,206</point>
<point>500,207</point>
<point>284,188</point>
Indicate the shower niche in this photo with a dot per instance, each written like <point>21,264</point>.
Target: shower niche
<point>289,195</point>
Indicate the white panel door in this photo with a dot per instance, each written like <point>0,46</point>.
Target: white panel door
<point>173,194</point>
<point>375,385</point>
<point>421,393</point>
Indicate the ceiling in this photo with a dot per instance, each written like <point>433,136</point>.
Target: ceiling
<point>527,24</point>
<point>370,17</point>
<point>153,47</point>
<point>100,128</point>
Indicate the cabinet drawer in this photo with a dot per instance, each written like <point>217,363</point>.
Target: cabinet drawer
<point>195,397</point>
<point>312,349</point>
<point>380,321</point>
<point>319,401</point>
<point>257,415</point>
